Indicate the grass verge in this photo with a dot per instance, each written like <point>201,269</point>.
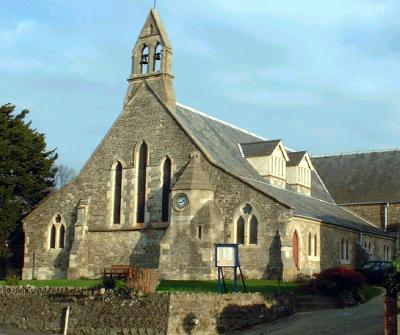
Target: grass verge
<point>370,292</point>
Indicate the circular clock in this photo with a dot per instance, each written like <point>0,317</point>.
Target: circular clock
<point>181,201</point>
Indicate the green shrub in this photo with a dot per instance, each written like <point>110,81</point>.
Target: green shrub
<point>109,283</point>
<point>392,279</point>
<point>336,280</point>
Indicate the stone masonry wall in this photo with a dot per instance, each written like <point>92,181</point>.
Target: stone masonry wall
<point>146,119</point>
<point>92,313</point>
<point>330,245</point>
<point>375,213</point>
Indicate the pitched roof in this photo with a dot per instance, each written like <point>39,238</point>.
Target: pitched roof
<point>193,177</point>
<point>155,19</point>
<point>295,158</point>
<point>260,148</point>
<point>370,177</point>
<point>219,141</point>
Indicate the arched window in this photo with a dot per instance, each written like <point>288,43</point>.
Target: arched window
<point>61,237</point>
<point>343,249</point>
<point>295,241</point>
<point>309,245</point>
<point>166,189</point>
<point>117,193</point>
<point>53,237</point>
<point>240,231</point>
<point>246,226</point>
<point>386,253</point>
<point>141,183</point>
<point>315,245</point>
<point>347,250</point>
<point>157,57</point>
<point>253,230</point>
<point>144,60</point>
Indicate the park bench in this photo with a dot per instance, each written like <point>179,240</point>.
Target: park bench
<point>119,271</point>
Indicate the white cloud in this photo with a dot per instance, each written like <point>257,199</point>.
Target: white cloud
<point>8,36</point>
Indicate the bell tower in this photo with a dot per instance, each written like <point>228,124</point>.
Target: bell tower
<point>152,61</point>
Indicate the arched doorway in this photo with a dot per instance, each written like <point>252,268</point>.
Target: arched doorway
<point>295,239</point>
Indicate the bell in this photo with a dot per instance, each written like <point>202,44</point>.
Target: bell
<point>158,56</point>
<point>144,60</point>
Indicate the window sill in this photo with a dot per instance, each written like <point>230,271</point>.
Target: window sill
<point>345,261</point>
<point>314,258</point>
<point>248,246</point>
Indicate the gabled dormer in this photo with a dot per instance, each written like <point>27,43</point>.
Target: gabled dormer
<point>299,170</point>
<point>269,158</point>
<point>152,60</point>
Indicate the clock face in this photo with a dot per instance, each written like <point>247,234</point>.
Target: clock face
<point>181,201</point>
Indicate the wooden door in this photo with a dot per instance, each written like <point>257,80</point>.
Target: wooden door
<point>295,249</point>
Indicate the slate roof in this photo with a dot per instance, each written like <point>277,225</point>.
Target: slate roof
<point>295,158</point>
<point>371,177</point>
<point>260,148</point>
<point>220,142</point>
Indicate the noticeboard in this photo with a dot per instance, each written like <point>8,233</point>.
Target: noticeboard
<point>226,255</point>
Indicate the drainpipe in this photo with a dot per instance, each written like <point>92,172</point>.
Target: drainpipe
<point>386,215</point>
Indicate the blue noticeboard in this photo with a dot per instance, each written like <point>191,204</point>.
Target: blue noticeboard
<point>227,256</point>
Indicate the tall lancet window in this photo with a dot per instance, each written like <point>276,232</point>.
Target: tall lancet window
<point>61,237</point>
<point>240,230</point>
<point>53,237</point>
<point>144,60</point>
<point>117,193</point>
<point>141,183</point>
<point>166,188</point>
<point>157,58</point>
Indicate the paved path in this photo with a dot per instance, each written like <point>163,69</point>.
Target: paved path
<point>366,319</point>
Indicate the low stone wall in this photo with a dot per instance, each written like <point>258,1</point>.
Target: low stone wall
<point>43,309</point>
<point>208,314</point>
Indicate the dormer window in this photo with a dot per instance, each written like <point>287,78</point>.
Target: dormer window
<point>269,159</point>
<point>299,170</point>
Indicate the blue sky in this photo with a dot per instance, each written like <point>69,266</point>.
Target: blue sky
<point>322,75</point>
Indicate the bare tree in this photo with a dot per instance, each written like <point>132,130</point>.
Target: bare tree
<point>64,175</point>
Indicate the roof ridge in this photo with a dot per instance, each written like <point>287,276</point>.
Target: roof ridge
<point>356,153</point>
<point>269,141</point>
<point>193,110</point>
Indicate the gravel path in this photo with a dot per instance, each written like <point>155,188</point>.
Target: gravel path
<point>366,319</point>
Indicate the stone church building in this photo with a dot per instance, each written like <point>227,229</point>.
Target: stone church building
<point>167,182</point>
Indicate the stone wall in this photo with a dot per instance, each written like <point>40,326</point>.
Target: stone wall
<point>209,314</point>
<point>144,118</point>
<point>173,314</point>
<point>375,213</point>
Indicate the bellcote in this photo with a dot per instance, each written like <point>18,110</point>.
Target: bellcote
<point>152,60</point>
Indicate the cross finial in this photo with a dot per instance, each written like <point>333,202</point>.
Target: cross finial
<point>155,3</point>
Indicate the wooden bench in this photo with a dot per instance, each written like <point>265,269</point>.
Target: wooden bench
<point>119,271</point>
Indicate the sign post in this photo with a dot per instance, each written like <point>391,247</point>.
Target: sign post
<point>227,256</point>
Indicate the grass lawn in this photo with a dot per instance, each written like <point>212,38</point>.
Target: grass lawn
<point>264,286</point>
<point>370,292</point>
